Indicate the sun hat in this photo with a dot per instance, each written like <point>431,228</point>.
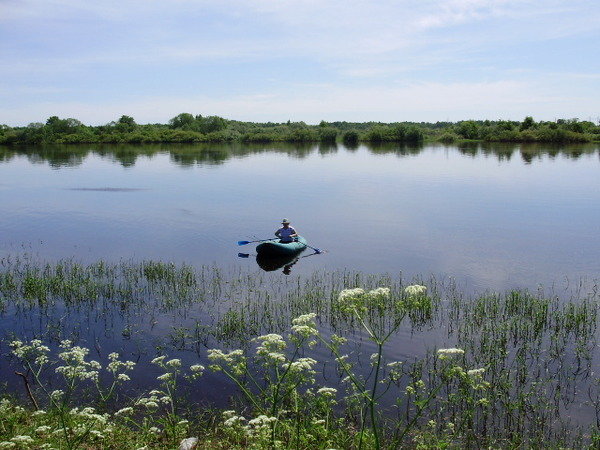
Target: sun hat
<point>285,221</point>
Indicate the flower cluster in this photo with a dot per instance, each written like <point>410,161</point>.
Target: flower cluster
<point>270,348</point>
<point>357,300</point>
<point>444,353</point>
<point>34,352</point>
<point>304,326</point>
<point>75,366</point>
<point>415,290</point>
<point>233,360</point>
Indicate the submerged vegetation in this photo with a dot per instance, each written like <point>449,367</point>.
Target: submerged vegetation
<point>126,355</point>
<point>188,128</point>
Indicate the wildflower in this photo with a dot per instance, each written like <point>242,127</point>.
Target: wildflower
<point>475,372</point>
<point>39,412</point>
<point>327,391</point>
<point>350,293</point>
<point>175,363</point>
<point>382,292</point>
<point>97,434</point>
<point>42,429</point>
<point>232,419</point>
<point>124,411</point>
<point>158,360</point>
<point>415,289</point>
<point>151,404</point>
<point>301,365</point>
<point>7,444</point>
<point>197,368</point>
<point>270,344</point>
<point>22,440</point>
<point>154,430</point>
<point>234,359</point>
<point>123,377</point>
<point>165,376</point>
<point>56,394</point>
<point>444,353</point>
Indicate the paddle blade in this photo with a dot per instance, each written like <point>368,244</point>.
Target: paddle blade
<point>243,255</point>
<point>243,242</point>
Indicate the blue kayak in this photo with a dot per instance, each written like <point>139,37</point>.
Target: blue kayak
<point>276,247</point>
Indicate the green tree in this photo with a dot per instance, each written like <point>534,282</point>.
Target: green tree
<point>527,123</point>
<point>181,120</point>
<point>468,129</point>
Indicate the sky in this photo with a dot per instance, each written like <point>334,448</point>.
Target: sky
<point>299,60</point>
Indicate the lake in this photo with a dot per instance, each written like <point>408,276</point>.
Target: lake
<point>466,220</point>
<point>491,216</point>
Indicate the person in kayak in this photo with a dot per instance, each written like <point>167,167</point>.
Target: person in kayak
<point>286,233</point>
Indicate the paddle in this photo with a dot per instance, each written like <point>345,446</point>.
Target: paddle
<point>250,242</point>
<point>317,251</point>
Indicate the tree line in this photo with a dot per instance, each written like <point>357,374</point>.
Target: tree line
<point>189,128</point>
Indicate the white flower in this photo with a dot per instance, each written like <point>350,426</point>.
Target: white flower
<point>475,372</point>
<point>158,360</point>
<point>173,363</point>
<point>164,376</point>
<point>350,294</point>
<point>380,292</point>
<point>327,391</point>
<point>443,352</point>
<point>124,411</point>
<point>415,289</point>
<point>305,319</point>
<point>123,377</point>
<point>197,368</point>
<point>22,440</point>
<point>42,429</point>
<point>56,394</point>
<point>154,430</point>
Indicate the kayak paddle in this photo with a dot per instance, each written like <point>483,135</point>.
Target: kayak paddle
<point>250,242</point>
<point>317,251</point>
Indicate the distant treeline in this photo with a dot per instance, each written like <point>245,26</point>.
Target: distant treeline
<point>188,128</point>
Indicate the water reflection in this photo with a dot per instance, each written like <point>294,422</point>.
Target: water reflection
<point>214,154</point>
<point>271,263</point>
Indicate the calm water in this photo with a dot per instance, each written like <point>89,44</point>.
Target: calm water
<point>493,217</point>
<point>488,217</point>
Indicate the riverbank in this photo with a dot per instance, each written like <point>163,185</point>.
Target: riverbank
<point>186,128</point>
<point>127,355</point>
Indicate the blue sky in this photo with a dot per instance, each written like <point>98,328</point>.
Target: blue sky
<point>274,60</point>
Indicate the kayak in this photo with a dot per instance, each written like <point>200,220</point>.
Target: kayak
<point>275,247</point>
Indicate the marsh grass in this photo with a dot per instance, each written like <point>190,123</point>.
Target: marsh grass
<point>534,355</point>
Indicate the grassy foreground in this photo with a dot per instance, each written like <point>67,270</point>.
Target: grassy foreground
<point>322,371</point>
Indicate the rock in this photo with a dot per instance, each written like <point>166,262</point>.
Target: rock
<point>188,444</point>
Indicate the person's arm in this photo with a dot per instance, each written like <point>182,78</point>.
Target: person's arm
<point>277,232</point>
<point>294,233</point>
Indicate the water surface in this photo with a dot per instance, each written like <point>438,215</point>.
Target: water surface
<point>493,216</point>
